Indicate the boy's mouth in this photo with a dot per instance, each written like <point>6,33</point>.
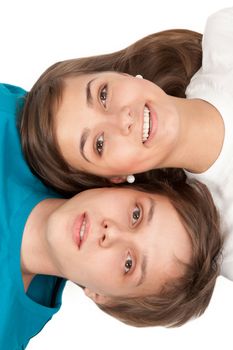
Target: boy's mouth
<point>81,227</point>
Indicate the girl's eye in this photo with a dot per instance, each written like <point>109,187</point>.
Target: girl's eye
<point>128,263</point>
<point>136,215</point>
<point>100,144</point>
<point>104,95</point>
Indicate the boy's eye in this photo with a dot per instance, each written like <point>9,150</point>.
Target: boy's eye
<point>136,215</point>
<point>100,144</point>
<point>128,263</point>
<point>104,95</point>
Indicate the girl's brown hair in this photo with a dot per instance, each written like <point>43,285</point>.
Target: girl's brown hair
<point>168,58</point>
<point>186,297</point>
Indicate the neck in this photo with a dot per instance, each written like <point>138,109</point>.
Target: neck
<point>35,258</point>
<point>201,135</point>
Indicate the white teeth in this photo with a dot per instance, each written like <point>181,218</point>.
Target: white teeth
<point>146,124</point>
<point>82,229</point>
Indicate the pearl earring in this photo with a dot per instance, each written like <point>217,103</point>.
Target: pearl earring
<point>139,76</point>
<point>130,179</point>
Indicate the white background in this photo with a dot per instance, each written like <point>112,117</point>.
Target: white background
<point>35,34</point>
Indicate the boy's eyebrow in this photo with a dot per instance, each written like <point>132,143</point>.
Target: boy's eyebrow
<point>83,140</point>
<point>151,210</point>
<point>89,94</point>
<point>144,258</point>
<point>143,270</point>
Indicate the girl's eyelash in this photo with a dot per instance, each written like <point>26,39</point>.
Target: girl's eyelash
<point>99,144</point>
<point>128,263</point>
<point>103,95</point>
<point>136,215</point>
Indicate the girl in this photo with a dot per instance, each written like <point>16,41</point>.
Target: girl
<point>168,58</point>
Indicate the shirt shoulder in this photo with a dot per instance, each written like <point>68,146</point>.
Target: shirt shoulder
<point>11,90</point>
<point>11,98</point>
<point>215,77</point>
<point>224,15</point>
<point>217,42</point>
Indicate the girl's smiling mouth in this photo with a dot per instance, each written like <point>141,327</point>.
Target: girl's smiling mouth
<point>146,126</point>
<point>149,126</point>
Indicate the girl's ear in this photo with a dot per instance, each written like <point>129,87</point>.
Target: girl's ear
<point>118,179</point>
<point>97,298</point>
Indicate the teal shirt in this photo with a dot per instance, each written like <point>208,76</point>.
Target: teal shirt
<point>22,315</point>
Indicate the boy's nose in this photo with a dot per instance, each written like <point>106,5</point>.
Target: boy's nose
<point>110,234</point>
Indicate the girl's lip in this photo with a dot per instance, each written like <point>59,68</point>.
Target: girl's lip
<point>78,222</point>
<point>153,125</point>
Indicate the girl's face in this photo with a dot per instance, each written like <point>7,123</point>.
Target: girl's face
<point>112,124</point>
<point>118,242</point>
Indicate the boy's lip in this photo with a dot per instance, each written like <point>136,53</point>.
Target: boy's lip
<point>81,222</point>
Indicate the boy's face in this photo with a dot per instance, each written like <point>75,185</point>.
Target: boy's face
<point>113,124</point>
<point>129,246</point>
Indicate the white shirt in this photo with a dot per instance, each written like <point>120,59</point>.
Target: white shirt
<point>214,84</point>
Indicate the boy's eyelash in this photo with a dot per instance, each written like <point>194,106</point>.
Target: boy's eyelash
<point>129,261</point>
<point>138,215</point>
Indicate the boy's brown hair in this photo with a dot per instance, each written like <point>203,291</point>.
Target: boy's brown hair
<point>186,297</point>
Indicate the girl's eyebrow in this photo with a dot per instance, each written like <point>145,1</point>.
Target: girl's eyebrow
<point>86,131</point>
<point>83,140</point>
<point>89,94</point>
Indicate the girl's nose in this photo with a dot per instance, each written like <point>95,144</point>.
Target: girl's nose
<point>124,120</point>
